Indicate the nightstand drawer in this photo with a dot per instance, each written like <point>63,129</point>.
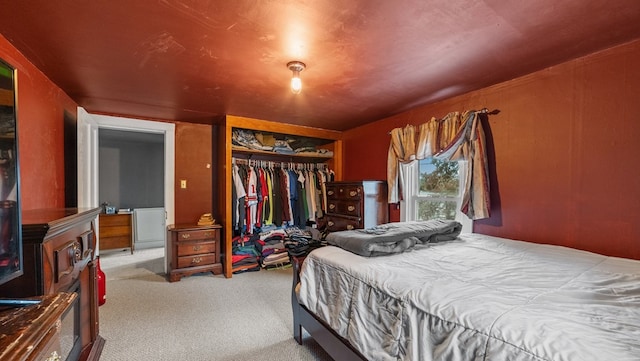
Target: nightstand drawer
<point>196,260</point>
<point>188,249</point>
<point>196,235</point>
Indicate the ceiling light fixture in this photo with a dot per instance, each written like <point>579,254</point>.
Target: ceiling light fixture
<point>296,67</point>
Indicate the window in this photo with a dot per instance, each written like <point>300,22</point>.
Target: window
<point>433,189</point>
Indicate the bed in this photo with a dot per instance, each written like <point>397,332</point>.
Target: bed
<point>474,297</point>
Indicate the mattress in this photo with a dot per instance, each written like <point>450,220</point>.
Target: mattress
<point>478,298</point>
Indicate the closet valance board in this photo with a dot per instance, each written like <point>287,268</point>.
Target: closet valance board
<point>323,138</point>
<point>277,157</point>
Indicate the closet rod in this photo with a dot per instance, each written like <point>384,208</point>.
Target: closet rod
<point>317,166</point>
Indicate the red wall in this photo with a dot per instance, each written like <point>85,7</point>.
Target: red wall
<point>41,105</point>
<point>565,158</point>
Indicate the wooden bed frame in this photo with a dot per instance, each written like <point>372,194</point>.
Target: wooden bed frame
<point>336,346</point>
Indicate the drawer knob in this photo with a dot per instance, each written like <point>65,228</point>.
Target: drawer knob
<point>330,223</point>
<point>196,260</point>
<point>332,206</point>
<point>353,193</point>
<point>185,235</point>
<point>351,208</point>
<point>350,226</point>
<point>330,193</point>
<point>77,253</point>
<point>208,234</point>
<point>197,248</point>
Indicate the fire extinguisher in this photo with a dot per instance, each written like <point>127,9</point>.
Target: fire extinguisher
<point>102,283</point>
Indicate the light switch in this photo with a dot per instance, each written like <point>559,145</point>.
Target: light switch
<point>183,183</point>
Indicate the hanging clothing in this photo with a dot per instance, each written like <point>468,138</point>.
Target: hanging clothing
<point>303,194</point>
<point>263,197</point>
<point>269,211</point>
<point>238,192</point>
<point>268,195</point>
<point>311,195</point>
<point>284,195</point>
<point>251,200</point>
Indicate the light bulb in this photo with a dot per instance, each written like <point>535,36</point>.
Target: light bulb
<point>296,84</point>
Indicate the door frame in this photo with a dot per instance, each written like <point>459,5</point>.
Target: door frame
<point>88,155</point>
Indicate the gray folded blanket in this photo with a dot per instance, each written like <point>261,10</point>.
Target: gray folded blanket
<point>397,237</point>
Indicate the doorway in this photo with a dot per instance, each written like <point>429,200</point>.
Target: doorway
<point>88,156</point>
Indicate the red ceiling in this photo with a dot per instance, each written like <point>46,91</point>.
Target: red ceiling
<point>195,60</point>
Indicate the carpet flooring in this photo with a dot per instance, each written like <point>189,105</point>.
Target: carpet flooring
<point>202,317</point>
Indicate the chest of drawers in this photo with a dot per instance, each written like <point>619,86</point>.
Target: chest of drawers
<point>193,249</point>
<point>115,231</point>
<point>356,205</point>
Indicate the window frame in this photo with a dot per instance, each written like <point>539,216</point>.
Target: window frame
<point>410,178</point>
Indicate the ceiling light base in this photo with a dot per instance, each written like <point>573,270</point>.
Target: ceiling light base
<point>296,66</point>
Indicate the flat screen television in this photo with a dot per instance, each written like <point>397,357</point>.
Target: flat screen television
<point>11,261</point>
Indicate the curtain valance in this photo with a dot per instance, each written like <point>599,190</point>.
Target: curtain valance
<point>454,137</point>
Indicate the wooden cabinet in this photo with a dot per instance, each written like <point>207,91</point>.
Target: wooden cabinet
<point>332,140</point>
<point>115,231</point>
<point>58,247</point>
<point>193,249</point>
<point>38,332</point>
<point>356,205</point>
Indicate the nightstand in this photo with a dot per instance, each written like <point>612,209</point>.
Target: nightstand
<point>193,249</point>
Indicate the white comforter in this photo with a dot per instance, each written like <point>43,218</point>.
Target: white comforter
<point>478,298</point>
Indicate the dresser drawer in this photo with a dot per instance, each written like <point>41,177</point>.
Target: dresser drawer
<point>115,242</point>
<point>196,260</point>
<point>108,220</point>
<point>349,208</point>
<point>114,231</point>
<point>344,191</point>
<point>69,260</point>
<point>197,235</point>
<point>191,248</point>
<point>342,223</point>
